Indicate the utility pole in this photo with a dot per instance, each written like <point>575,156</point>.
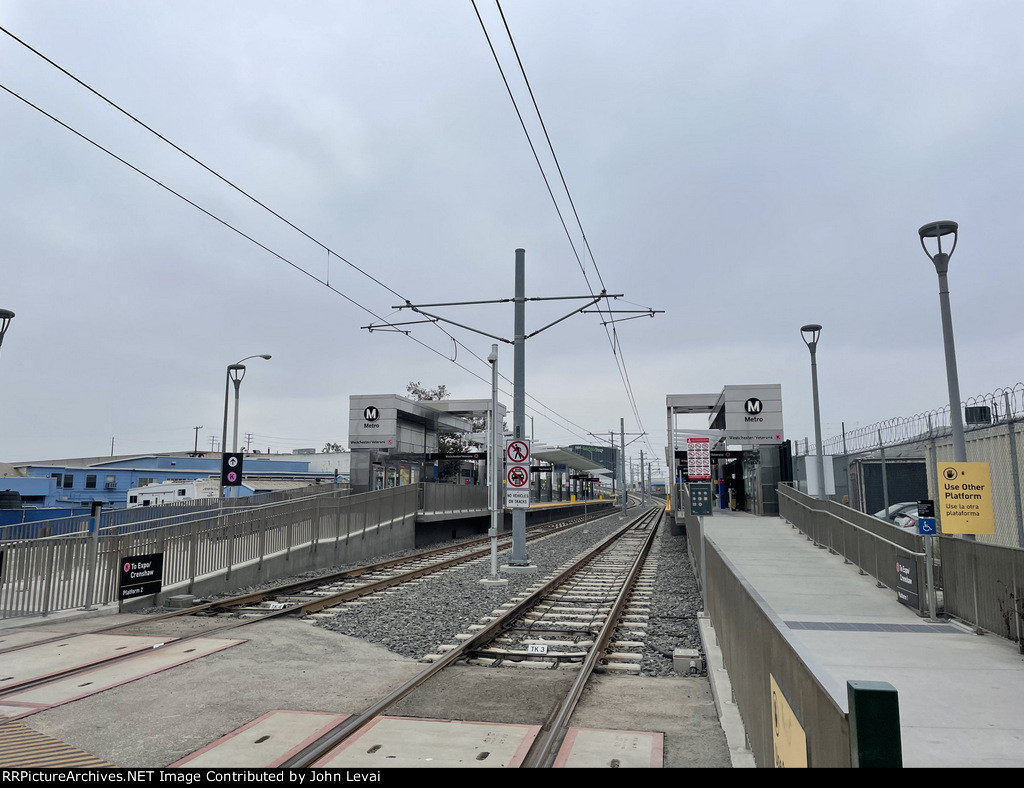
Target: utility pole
<point>622,462</point>
<point>196,449</point>
<point>619,463</point>
<point>519,559</point>
<point>643,486</point>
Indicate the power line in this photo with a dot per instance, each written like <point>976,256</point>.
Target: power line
<point>612,334</point>
<point>323,282</point>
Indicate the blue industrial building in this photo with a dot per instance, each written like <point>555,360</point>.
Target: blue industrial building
<point>77,484</point>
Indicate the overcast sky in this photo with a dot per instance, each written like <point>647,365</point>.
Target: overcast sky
<point>746,167</point>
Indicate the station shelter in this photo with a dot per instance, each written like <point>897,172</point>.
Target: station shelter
<point>395,440</point>
<point>749,455</point>
<point>560,474</point>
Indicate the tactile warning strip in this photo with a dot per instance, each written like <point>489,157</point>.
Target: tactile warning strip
<point>833,626</point>
<point>23,748</point>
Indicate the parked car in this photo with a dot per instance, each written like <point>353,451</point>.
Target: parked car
<point>897,510</point>
<point>907,520</point>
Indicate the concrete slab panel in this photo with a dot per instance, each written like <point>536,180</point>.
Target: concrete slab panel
<point>103,678</point>
<point>394,742</point>
<point>265,743</point>
<point>75,651</point>
<point>587,748</point>
<point>25,638</point>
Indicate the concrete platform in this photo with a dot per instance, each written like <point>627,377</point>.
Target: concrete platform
<point>105,677</point>
<point>401,742</point>
<point>265,743</point>
<point>585,748</point>
<point>961,694</point>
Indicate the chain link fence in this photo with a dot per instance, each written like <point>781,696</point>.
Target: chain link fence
<point>895,460</point>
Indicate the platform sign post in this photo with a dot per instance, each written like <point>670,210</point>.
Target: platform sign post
<point>926,527</point>
<point>140,575</point>
<point>698,458</point>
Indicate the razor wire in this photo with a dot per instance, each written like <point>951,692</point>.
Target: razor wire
<point>1005,404</point>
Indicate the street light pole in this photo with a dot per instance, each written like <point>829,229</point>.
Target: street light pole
<point>810,334</point>
<point>6,315</point>
<point>235,373</point>
<point>494,466</point>
<point>940,259</point>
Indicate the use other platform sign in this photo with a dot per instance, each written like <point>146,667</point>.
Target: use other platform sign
<point>965,498</point>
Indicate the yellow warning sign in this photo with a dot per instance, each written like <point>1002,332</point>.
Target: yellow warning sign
<point>965,498</point>
<point>788,735</point>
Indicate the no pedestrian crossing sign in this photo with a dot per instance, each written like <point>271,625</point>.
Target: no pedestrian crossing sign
<point>517,452</point>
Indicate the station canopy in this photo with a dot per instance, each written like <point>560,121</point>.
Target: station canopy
<point>555,455</point>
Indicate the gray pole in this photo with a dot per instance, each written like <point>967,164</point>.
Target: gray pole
<point>940,260</point>
<point>643,484</point>
<point>6,315</point>
<point>885,476</point>
<point>1014,469</point>
<point>956,419</point>
<point>224,432</point>
<point>812,343</point>
<point>622,462</point>
<point>519,557</point>
<point>234,437</point>
<point>494,466</point>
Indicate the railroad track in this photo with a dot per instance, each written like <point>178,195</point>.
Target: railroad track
<point>301,598</point>
<point>605,589</point>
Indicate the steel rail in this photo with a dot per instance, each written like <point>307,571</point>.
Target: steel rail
<point>544,750</point>
<point>310,754</point>
<point>301,607</point>
<point>538,531</point>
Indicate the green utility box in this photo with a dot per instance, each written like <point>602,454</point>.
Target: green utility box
<point>875,740</point>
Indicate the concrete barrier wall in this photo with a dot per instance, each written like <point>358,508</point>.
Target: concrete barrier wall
<point>756,649</point>
<point>353,530</point>
<point>207,551</point>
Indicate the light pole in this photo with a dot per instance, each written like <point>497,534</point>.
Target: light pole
<point>810,334</point>
<point>940,259</point>
<point>6,315</point>
<point>235,374</point>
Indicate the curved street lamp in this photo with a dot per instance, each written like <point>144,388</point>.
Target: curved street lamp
<point>235,373</point>
<point>810,334</point>
<point>938,231</point>
<point>6,315</point>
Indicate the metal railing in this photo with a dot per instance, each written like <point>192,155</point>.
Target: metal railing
<point>760,653</point>
<point>453,498</point>
<point>994,439</point>
<point>42,575</point>
<point>871,544</point>
<point>142,516</point>
<point>983,585</point>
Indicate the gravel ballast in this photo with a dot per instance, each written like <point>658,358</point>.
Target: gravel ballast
<point>415,618</point>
